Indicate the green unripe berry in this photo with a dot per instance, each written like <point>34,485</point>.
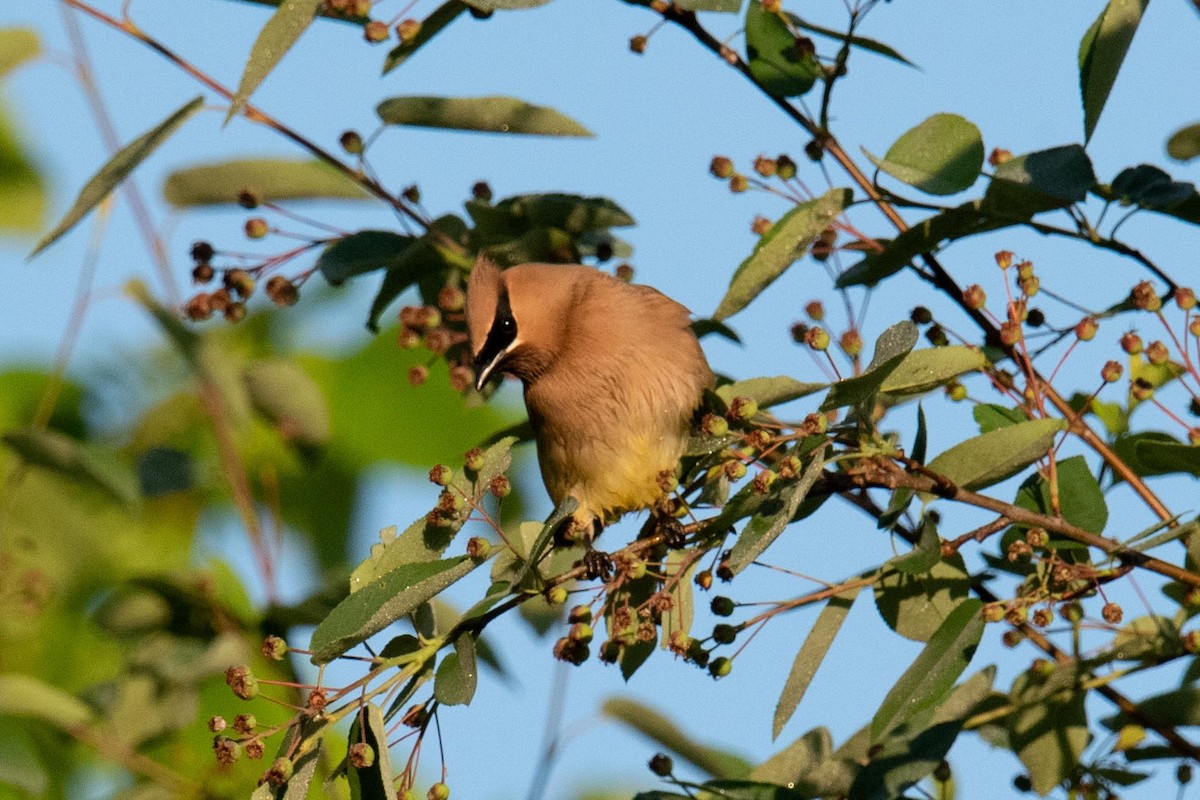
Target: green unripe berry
<point>556,595</point>
<point>439,791</point>
<point>724,634</point>
<point>722,606</point>
<point>720,667</point>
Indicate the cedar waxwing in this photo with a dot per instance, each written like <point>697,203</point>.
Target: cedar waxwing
<point>613,375</point>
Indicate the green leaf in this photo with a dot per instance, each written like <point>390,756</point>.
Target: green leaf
<point>117,170</point>
<point>891,348</point>
<point>933,674</point>
<point>915,606</point>
<point>325,12</point>
<point>991,457</point>
<point>1163,457</point>
<point>27,696</point>
<point>770,391</point>
<point>707,327</point>
<point>376,781</point>
<point>923,370</point>
<point>925,553</point>
<point>787,240</point>
<point>268,179</point>
<point>942,155</point>
<point>424,259</point>
<point>382,602</point>
<point>362,252</point>
<point>726,6</point>
<point>926,236</point>
<point>662,731</point>
<point>773,515</point>
<point>1150,187</point>
<point>1184,144</point>
<point>678,619</point>
<point>792,765</point>
<point>992,417</point>
<point>1186,529</point>
<point>22,190</point>
<point>17,45</point>
<point>431,26</point>
<point>505,5</point>
<point>458,673</point>
<point>489,114</point>
<point>1176,707</point>
<point>290,400</point>
<point>1101,52</point>
<point>283,29</point>
<point>1041,181</point>
<point>778,62</point>
<point>1080,498</point>
<point>1048,731</point>
<point>54,451</point>
<point>808,660</point>
<point>537,549</point>
<point>870,45</point>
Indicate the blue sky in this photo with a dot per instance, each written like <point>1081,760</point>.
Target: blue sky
<point>1010,67</point>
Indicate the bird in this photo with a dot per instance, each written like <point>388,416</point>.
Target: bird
<point>613,375</point>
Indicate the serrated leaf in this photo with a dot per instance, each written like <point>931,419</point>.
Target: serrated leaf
<point>374,782</point>
<point>283,29</point>
<point>268,179</point>
<point>1184,144</point>
<point>116,170</point>
<point>362,252</point>
<point>458,673</point>
<point>17,45</point>
<point>934,672</point>
<point>891,348</point>
<point>779,247</point>
<point>914,606</point>
<point>27,696</point>
<point>1101,52</point>
<point>651,723</point>
<point>777,61</point>
<point>808,660</point>
<point>59,453</point>
<point>990,417</point>
<point>769,391</point>
<point>991,457</point>
<point>927,369</point>
<point>488,114</point>
<point>383,601</point>
<point>773,515</point>
<point>290,400</point>
<point>942,155</point>
<point>431,26</point>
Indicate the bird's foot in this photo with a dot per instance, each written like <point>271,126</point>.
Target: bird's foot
<point>674,536</point>
<point>597,564</point>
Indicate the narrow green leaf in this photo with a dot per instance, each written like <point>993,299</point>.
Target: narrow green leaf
<point>537,549</point>
<point>891,348</point>
<point>1101,52</point>
<point>1187,529</point>
<point>117,170</point>
<point>290,400</point>
<point>923,370</point>
<point>678,619</point>
<point>932,675</point>
<point>382,602</point>
<point>458,673</point>
<point>489,114</point>
<point>773,516</point>
<point>725,6</point>
<point>505,5</point>
<point>786,241</point>
<point>362,252</point>
<point>792,765</point>
<point>863,42</point>
<point>1184,144</point>
<point>1176,707</point>
<point>707,327</point>
<point>23,200</point>
<point>185,339</point>
<point>431,26</point>
<point>374,782</point>
<point>778,63</point>
<point>942,155</point>
<point>268,179</point>
<point>17,45</point>
<point>914,606</point>
<point>991,457</point>
<point>27,696</point>
<point>808,660</point>
<point>769,391</point>
<point>57,452</point>
<point>325,12</point>
<point>990,417</point>
<point>1162,457</point>
<point>283,29</point>
<point>1041,181</point>
<point>652,724</point>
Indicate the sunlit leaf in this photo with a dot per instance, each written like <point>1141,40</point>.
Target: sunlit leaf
<point>17,45</point>
<point>787,240</point>
<point>22,190</point>
<point>289,399</point>
<point>27,696</point>
<point>58,453</point>
<point>778,62</point>
<point>1101,53</point>
<point>914,606</point>
<point>283,29</point>
<point>268,179</point>
<point>1184,144</point>
<point>489,114</point>
<point>769,391</point>
<point>863,42</point>
<point>117,170</point>
<point>991,457</point>
<point>942,155</point>
<point>991,417</point>
<point>773,515</point>
<point>931,367</point>
<point>431,26</point>
<point>373,782</point>
<point>891,348</point>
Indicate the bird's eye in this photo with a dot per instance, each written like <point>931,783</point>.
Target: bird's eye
<point>507,324</point>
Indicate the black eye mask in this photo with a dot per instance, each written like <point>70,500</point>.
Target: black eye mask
<point>501,335</point>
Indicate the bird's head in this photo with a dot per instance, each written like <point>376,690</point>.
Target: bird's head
<point>518,319</point>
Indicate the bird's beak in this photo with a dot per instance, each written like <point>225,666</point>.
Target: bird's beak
<point>485,367</point>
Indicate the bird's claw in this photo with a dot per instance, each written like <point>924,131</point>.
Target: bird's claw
<point>597,564</point>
